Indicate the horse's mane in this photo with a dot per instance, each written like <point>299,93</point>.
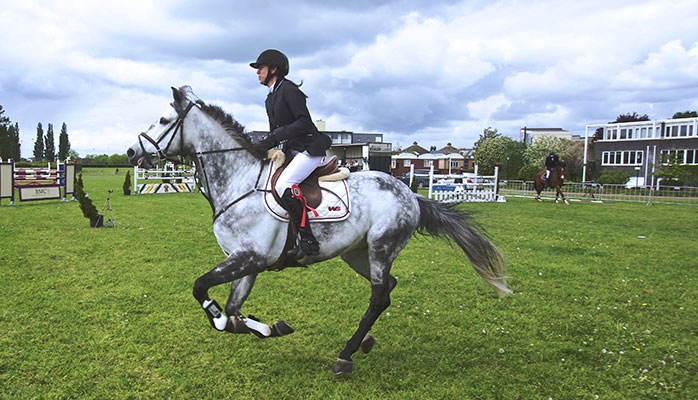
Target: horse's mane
<point>231,126</point>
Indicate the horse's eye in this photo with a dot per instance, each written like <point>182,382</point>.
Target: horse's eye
<point>164,121</point>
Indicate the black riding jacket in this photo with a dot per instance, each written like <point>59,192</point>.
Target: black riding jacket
<point>290,122</point>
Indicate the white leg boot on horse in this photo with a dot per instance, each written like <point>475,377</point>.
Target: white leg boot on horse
<point>306,244</point>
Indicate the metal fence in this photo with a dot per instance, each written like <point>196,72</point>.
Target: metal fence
<point>684,195</point>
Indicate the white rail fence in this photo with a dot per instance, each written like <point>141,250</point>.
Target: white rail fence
<point>589,191</point>
<point>461,188</point>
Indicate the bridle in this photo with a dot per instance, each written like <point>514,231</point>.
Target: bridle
<point>161,154</point>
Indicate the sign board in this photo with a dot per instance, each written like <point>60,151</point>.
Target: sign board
<point>6,173</point>
<point>30,193</point>
<point>380,147</point>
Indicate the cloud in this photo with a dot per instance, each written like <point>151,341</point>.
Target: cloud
<point>426,71</point>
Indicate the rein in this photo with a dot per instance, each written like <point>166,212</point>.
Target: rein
<point>162,154</point>
<point>256,188</point>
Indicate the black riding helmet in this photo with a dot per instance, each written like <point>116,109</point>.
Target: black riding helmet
<point>272,58</point>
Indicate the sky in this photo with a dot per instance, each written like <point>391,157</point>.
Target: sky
<point>432,72</point>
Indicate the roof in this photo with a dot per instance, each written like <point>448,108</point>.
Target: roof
<point>448,149</point>
<point>415,148</point>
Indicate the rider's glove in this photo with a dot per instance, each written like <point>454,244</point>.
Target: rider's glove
<point>266,143</point>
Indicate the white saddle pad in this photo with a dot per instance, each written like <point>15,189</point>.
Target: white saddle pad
<point>334,206</point>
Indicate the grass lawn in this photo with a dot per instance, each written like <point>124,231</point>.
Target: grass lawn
<point>604,307</point>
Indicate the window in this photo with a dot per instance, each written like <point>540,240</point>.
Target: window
<point>406,163</point>
<point>610,134</point>
<point>428,163</point>
<point>682,156</point>
<point>633,157</point>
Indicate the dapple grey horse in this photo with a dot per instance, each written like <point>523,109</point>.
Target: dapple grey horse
<point>383,215</point>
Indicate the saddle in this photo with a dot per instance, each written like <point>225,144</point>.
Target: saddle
<point>310,186</point>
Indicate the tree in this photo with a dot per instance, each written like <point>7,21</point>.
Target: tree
<point>487,133</point>
<point>673,171</point>
<point>630,118</point>
<point>49,144</point>
<point>537,152</point>
<point>495,150</point>
<point>9,138</point>
<point>63,143</point>
<point>14,148</point>
<point>570,152</point>
<point>39,143</point>
<point>685,114</point>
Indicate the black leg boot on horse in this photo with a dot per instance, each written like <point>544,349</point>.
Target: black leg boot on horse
<point>306,244</point>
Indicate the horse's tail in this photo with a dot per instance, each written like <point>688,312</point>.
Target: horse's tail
<point>442,220</point>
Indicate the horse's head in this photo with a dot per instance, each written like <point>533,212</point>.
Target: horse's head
<point>160,140</point>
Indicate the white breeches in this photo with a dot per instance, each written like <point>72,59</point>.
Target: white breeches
<point>300,167</point>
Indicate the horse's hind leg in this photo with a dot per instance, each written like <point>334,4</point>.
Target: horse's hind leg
<point>382,283</point>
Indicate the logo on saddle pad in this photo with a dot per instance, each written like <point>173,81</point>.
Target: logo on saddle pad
<point>328,198</point>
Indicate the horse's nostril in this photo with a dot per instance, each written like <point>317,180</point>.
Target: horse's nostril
<point>130,153</point>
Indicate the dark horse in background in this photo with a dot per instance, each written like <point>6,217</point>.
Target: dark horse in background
<point>555,181</point>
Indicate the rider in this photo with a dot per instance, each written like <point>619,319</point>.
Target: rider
<point>551,162</point>
<point>303,144</point>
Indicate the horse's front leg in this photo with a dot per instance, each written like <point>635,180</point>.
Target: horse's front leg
<point>241,268</point>
<point>562,195</point>
<point>239,290</point>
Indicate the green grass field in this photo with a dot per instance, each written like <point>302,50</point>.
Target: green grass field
<point>604,307</point>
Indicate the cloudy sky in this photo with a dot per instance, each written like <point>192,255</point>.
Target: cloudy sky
<point>427,71</point>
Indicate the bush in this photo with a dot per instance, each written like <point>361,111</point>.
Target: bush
<point>415,184</point>
<point>613,177</point>
<point>528,172</point>
<point>127,183</point>
<point>88,209</point>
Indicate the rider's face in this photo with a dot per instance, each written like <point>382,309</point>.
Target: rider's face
<point>262,74</point>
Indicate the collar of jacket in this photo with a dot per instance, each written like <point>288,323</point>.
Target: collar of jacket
<point>276,85</point>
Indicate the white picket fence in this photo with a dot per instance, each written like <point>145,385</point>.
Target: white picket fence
<point>462,188</point>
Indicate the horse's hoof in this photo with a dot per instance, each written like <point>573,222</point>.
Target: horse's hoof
<point>236,325</point>
<point>281,328</point>
<point>368,343</point>
<point>342,367</point>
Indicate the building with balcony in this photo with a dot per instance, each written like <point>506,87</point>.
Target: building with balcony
<point>638,147</point>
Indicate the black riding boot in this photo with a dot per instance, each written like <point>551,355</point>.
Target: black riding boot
<point>306,244</point>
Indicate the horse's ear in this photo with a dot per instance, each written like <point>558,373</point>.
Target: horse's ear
<point>175,94</point>
<point>176,104</point>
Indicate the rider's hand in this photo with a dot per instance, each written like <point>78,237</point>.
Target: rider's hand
<point>267,142</point>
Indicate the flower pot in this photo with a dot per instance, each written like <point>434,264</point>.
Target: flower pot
<point>97,221</point>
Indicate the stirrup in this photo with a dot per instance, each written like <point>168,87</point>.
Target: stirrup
<point>305,247</point>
